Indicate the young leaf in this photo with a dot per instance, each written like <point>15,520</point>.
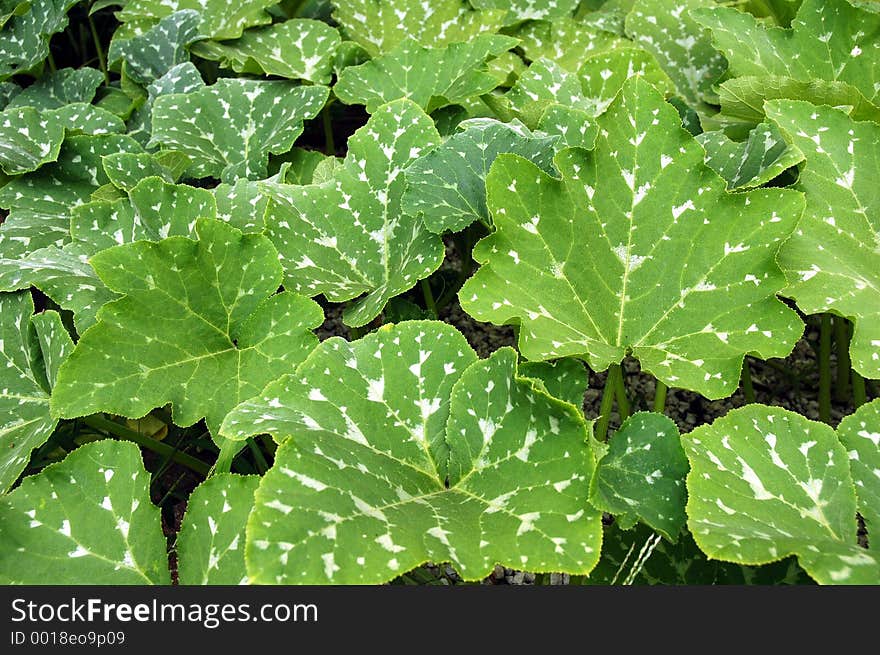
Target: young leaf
<point>430,77</point>
<point>766,483</point>
<point>638,248</point>
<point>448,185</point>
<point>210,545</point>
<point>371,452</point>
<point>348,236</point>
<point>31,349</point>
<point>603,76</point>
<point>380,25</point>
<point>860,435</point>
<point>751,163</point>
<point>565,42</point>
<point>219,19</point>
<point>86,520</point>
<point>197,327</point>
<point>832,262</point>
<point>228,129</point>
<point>24,40</point>
<point>566,379</point>
<point>519,10</point>
<point>28,139</point>
<point>641,477</point>
<point>63,87</point>
<point>829,40</point>
<point>680,44</point>
<point>298,49</point>
<point>151,54</point>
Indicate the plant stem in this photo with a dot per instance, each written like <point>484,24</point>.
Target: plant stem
<point>607,402</point>
<point>329,143</point>
<point>660,397</point>
<point>259,458</point>
<point>825,369</point>
<point>102,59</point>
<point>430,304</point>
<point>841,338</point>
<point>860,395</point>
<point>620,395</point>
<point>51,60</point>
<point>103,424</point>
<point>355,333</point>
<point>748,389</point>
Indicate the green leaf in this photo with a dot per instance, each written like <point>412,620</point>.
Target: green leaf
<point>12,8</point>
<point>83,118</point>
<point>574,127</point>
<point>31,349</point>
<point>298,49</point>
<point>603,76</point>
<point>220,20</point>
<point>565,42</point>
<point>150,55</point>
<point>641,477</point>
<point>519,10</point>
<point>28,139</point>
<point>448,185</point>
<point>399,452</point>
<point>753,162</point>
<point>183,78</point>
<point>543,84</point>
<point>639,250</point>
<point>565,379</point>
<point>24,40</point>
<point>380,25</point>
<point>40,202</point>
<point>127,169</point>
<point>197,327</point>
<point>848,52</point>
<point>85,520</point>
<point>383,251</point>
<point>210,545</point>
<point>860,435</point>
<point>228,129</point>
<point>63,87</point>
<point>832,261</point>
<point>766,483</point>
<point>430,77</point>
<point>681,46</point>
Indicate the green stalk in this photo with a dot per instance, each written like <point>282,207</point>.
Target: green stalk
<point>844,364</point>
<point>430,304</point>
<point>860,395</point>
<point>355,333</point>
<point>51,60</point>
<point>825,369</point>
<point>103,424</point>
<point>748,389</point>
<point>607,402</point>
<point>329,143</point>
<point>259,458</point>
<point>620,395</point>
<point>660,390</point>
<point>102,59</point>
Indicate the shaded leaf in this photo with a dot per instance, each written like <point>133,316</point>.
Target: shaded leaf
<point>183,78</point>
<point>565,379</point>
<point>565,42</point>
<point>28,139</point>
<point>151,54</point>
<point>63,87</point>
<point>220,20</point>
<point>860,435</point>
<point>518,10</point>
<point>24,39</point>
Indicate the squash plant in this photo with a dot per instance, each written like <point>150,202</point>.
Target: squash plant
<point>234,242</point>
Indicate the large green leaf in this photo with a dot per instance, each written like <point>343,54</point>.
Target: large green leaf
<point>766,483</point>
<point>24,39</point>
<point>86,520</point>
<point>430,77</point>
<point>848,36</point>
<point>183,78</point>
<point>148,56</point>
<point>228,129</point>
<point>565,42</point>
<point>639,250</point>
<point>220,19</point>
<point>31,349</point>
<point>83,118</point>
<point>751,163</point>
<point>197,327</point>
<point>63,87</point>
<point>296,49</point>
<point>349,236</point>
<point>380,25</point>
<point>518,10</point>
<point>210,544</point>
<point>683,48</point>
<point>833,260</point>
<point>603,76</point>
<point>641,476</point>
<point>860,435</point>
<point>28,139</point>
<point>395,452</point>
<point>448,185</point>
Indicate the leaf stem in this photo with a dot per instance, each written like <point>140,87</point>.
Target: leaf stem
<point>51,61</point>
<point>660,390</point>
<point>607,402</point>
<point>99,422</point>
<point>860,395</point>
<point>844,364</point>
<point>329,143</point>
<point>620,395</point>
<point>102,59</point>
<point>825,369</point>
<point>748,389</point>
<point>259,458</point>
<point>430,304</point>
